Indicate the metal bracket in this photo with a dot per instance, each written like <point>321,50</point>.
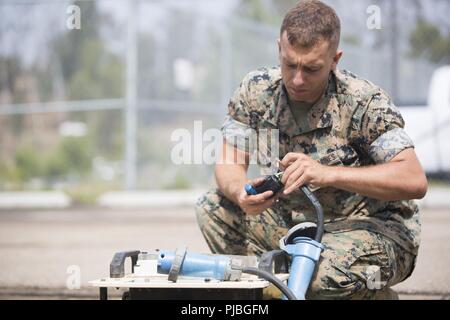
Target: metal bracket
<point>117,265</point>
<point>276,261</point>
<point>177,263</point>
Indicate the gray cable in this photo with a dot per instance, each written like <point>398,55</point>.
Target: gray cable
<point>272,279</point>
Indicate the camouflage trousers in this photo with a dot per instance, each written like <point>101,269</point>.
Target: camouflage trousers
<point>356,264</point>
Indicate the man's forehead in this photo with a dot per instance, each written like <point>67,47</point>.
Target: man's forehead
<point>314,55</point>
<point>309,58</point>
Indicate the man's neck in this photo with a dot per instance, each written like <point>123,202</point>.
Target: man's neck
<point>313,101</point>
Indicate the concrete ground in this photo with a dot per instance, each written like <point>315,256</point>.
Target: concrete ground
<point>38,249</point>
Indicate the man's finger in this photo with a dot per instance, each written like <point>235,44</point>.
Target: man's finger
<point>256,182</point>
<point>265,205</point>
<point>296,185</point>
<point>288,172</point>
<point>283,167</point>
<point>294,176</point>
<point>260,198</point>
<point>289,158</point>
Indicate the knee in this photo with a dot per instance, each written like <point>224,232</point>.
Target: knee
<point>213,205</point>
<point>205,206</point>
<point>213,200</point>
<point>332,282</point>
<point>223,229</point>
<point>208,203</point>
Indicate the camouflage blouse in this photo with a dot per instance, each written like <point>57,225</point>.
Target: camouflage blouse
<point>354,124</point>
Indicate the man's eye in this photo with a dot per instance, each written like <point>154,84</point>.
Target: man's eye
<point>309,70</point>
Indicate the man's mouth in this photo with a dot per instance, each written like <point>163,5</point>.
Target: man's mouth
<point>299,91</point>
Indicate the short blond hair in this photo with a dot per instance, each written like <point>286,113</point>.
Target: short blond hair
<point>309,22</point>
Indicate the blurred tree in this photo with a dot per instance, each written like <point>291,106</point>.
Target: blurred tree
<point>100,74</point>
<point>70,44</point>
<point>265,11</point>
<point>429,42</point>
<point>10,70</point>
<point>91,71</point>
<point>72,156</point>
<point>77,65</point>
<point>27,164</point>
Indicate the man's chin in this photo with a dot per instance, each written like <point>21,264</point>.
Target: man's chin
<point>301,97</point>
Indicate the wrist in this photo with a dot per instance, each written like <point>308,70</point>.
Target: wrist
<point>236,189</point>
<point>332,176</point>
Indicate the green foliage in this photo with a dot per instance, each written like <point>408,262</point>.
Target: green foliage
<point>11,72</point>
<point>353,40</point>
<point>427,41</point>
<point>86,193</point>
<point>265,11</point>
<point>100,75</point>
<point>67,47</point>
<point>89,69</point>
<point>72,156</point>
<point>256,10</point>
<point>54,166</point>
<point>27,164</point>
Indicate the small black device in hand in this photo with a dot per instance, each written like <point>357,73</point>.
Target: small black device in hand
<point>272,183</point>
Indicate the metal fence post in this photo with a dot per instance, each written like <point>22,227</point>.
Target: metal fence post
<point>131,95</point>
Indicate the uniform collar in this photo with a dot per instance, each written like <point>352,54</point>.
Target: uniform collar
<point>319,116</point>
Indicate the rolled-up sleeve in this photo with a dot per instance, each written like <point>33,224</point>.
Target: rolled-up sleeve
<point>236,128</point>
<point>239,135</point>
<point>389,144</point>
<point>382,134</point>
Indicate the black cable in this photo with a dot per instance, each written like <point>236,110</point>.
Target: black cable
<point>318,237</point>
<point>272,279</point>
<point>319,212</point>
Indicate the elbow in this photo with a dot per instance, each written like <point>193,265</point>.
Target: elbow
<point>217,171</point>
<point>420,188</point>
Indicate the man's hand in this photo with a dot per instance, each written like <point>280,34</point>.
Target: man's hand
<point>257,204</point>
<point>299,169</point>
<point>401,178</point>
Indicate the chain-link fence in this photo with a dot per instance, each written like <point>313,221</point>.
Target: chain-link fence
<point>91,91</point>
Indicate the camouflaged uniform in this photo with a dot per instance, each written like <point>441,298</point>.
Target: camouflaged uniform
<point>354,124</point>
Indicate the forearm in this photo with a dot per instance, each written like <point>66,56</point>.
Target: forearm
<point>388,182</point>
<point>231,171</point>
<point>230,179</point>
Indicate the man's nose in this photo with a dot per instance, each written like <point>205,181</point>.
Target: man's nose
<point>298,79</point>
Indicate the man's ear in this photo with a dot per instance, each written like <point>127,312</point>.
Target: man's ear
<point>337,57</point>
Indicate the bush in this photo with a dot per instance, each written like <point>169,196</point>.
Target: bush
<point>73,155</point>
<point>27,164</point>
